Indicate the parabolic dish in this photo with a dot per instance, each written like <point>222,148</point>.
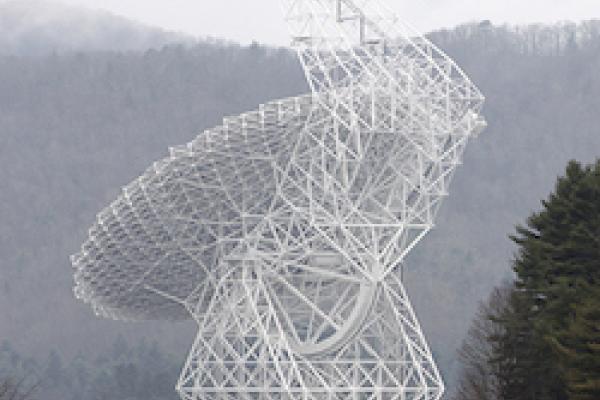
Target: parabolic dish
<point>323,194</point>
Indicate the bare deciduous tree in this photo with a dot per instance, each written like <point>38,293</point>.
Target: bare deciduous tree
<point>478,380</point>
<point>16,389</point>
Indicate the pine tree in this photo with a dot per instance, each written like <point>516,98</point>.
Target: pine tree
<point>522,360</point>
<point>579,348</point>
<point>557,267</point>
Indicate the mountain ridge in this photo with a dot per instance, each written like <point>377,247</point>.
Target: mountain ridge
<point>40,27</point>
<point>75,128</point>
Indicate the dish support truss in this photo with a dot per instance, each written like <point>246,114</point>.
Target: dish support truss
<point>282,231</point>
<point>315,307</point>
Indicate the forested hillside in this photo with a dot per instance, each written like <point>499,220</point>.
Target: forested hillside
<point>40,27</point>
<point>543,97</point>
<point>75,127</point>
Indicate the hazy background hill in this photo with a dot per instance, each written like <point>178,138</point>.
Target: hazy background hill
<point>76,126</point>
<point>38,27</point>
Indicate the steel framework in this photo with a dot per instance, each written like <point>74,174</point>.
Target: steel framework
<point>281,232</point>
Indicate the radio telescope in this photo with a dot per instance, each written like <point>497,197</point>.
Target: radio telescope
<point>282,231</point>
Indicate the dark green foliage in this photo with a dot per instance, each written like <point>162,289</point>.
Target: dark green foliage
<point>526,366</point>
<point>579,349</point>
<point>558,271</point>
<point>502,359</point>
<point>546,344</point>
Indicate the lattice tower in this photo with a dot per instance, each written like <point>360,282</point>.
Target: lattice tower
<point>282,231</point>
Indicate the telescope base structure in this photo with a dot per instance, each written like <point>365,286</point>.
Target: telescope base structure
<point>280,230</point>
<point>243,352</point>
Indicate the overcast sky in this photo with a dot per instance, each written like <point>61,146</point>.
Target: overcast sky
<point>261,20</point>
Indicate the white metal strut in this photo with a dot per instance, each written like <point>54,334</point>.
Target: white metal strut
<point>282,230</point>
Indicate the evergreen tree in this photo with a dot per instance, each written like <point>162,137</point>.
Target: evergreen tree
<point>557,267</point>
<point>579,347</point>
<point>521,358</point>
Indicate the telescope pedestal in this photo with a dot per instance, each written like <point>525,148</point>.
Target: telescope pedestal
<point>242,351</point>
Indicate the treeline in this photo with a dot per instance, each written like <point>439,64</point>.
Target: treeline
<point>539,337</point>
<point>40,27</point>
<point>126,372</point>
<point>536,39</point>
<point>74,129</point>
<point>76,126</point>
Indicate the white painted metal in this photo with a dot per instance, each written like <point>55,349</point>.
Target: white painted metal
<point>281,232</point>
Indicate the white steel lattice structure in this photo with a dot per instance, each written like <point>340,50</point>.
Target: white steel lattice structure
<point>281,232</point>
